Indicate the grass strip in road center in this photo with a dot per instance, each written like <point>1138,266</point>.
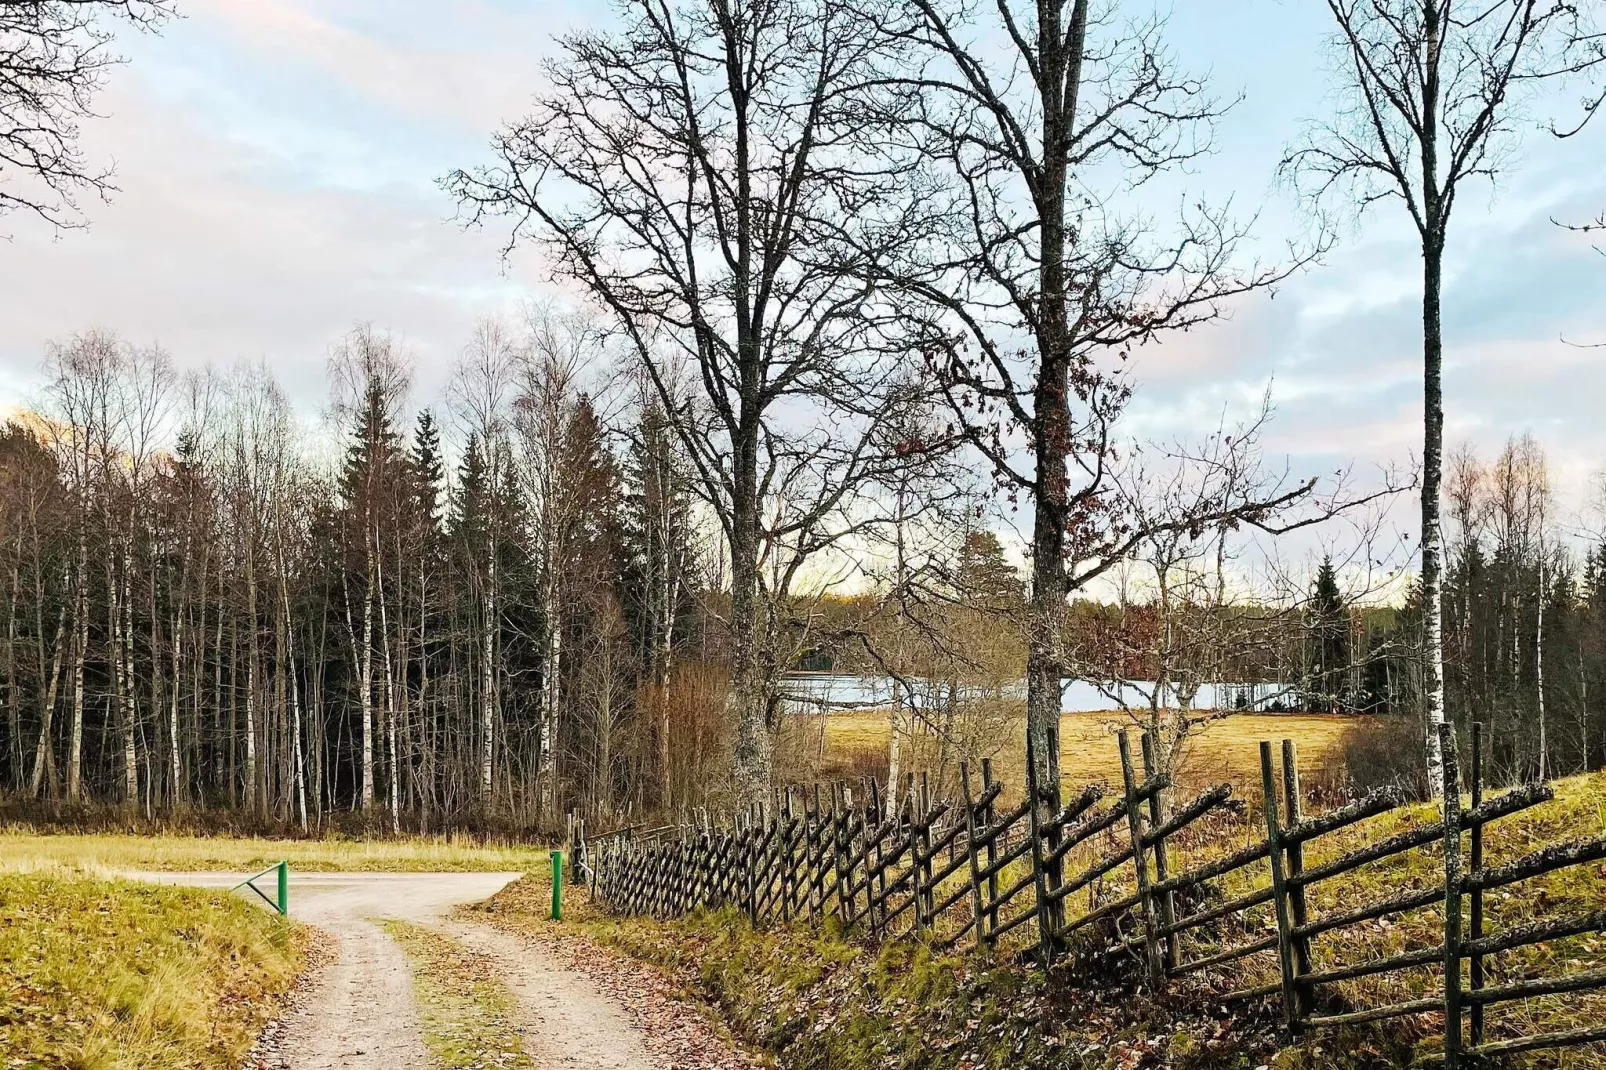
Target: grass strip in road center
<point>467,1013</point>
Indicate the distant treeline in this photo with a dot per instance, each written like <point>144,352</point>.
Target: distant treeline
<point>199,613</point>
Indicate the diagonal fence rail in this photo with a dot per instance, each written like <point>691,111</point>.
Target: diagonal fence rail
<point>1142,877</point>
<point>280,900</point>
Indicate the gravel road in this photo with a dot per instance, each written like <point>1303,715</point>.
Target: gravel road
<point>581,1008</point>
<point>360,1014</point>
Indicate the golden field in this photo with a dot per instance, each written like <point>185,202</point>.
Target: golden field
<point>23,849</point>
<point>1220,749</point>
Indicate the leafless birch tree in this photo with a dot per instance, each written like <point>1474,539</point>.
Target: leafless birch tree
<point>1431,97</point>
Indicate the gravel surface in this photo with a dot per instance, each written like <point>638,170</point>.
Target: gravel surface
<point>589,1007</point>
<point>582,1008</point>
<point>358,1012</point>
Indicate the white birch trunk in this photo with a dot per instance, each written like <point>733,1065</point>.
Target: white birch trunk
<point>43,762</point>
<point>488,682</point>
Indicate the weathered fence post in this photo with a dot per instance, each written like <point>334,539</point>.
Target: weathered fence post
<point>839,831</point>
<point>979,920</point>
<point>875,872</point>
<point>911,835</point>
<point>755,844</point>
<point>925,885</point>
<point>788,884</point>
<point>1475,964</point>
<point>992,849</point>
<point>1140,867</point>
<point>851,822</point>
<point>816,875</point>
<point>1452,899</point>
<point>1279,893</point>
<point>1157,816</point>
<point>1298,911</point>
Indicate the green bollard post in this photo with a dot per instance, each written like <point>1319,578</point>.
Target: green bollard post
<point>557,885</point>
<point>284,889</point>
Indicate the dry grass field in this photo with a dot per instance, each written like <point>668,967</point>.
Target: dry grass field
<point>102,974</point>
<point>24,850</point>
<point>1225,749</point>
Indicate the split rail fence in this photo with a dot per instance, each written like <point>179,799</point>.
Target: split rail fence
<point>1104,878</point>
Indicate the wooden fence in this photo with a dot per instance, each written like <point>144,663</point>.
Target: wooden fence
<point>1102,878</point>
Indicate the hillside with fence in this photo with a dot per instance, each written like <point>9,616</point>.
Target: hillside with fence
<point>1473,924</point>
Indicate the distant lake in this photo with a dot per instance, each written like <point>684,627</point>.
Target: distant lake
<point>810,692</point>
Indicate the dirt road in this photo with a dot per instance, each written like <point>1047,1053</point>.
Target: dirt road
<point>361,1013</point>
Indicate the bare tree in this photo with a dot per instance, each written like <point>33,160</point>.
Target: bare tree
<point>705,175</point>
<point>54,58</point>
<point>552,461</point>
<point>84,375</point>
<point>481,393</point>
<point>1431,97</point>
<point>1037,284</point>
<point>1203,605</point>
<point>370,381</point>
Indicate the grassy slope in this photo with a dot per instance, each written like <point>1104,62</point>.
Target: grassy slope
<point>107,975</point>
<point>1225,749</point>
<point>1578,812</point>
<point>24,850</point>
<point>819,1000</point>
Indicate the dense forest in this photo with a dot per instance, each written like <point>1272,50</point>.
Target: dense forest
<point>202,611</point>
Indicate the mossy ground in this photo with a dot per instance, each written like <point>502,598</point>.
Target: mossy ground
<point>1578,812</point>
<point>815,998</point>
<point>467,1013</point>
<point>115,975</point>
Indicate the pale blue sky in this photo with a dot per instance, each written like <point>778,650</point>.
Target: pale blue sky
<point>277,160</point>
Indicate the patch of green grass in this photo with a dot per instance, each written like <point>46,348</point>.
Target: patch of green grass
<point>1578,812</point>
<point>466,1011</point>
<point>117,975</point>
<point>27,850</point>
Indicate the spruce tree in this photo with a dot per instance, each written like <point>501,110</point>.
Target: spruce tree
<point>427,467</point>
<point>1329,640</point>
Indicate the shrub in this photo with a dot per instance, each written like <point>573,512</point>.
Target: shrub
<point>1383,751</point>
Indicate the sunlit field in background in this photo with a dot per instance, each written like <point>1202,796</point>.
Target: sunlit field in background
<point>1220,749</point>
<point>23,850</point>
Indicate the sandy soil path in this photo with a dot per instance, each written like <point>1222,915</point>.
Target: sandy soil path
<point>568,1022</point>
